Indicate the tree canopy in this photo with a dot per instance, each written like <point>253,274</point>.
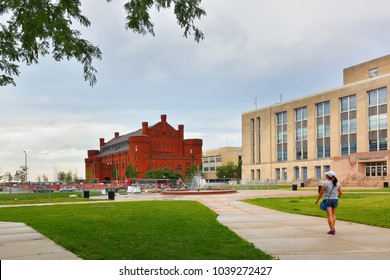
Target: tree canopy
<point>36,28</point>
<point>165,173</point>
<point>229,170</point>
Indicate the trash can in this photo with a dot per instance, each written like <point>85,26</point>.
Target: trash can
<point>294,187</point>
<point>86,194</point>
<point>319,188</point>
<point>385,184</point>
<point>302,185</point>
<point>111,195</point>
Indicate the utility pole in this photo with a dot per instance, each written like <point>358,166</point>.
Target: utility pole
<point>25,166</point>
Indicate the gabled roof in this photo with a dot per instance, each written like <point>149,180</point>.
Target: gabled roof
<point>118,144</point>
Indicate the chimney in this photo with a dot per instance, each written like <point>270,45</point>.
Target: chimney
<point>181,131</point>
<point>145,128</point>
<point>101,142</point>
<point>164,125</point>
<point>116,134</point>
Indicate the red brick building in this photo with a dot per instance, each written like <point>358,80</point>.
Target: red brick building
<point>149,148</point>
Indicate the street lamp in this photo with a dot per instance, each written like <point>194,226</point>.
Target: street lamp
<point>25,162</point>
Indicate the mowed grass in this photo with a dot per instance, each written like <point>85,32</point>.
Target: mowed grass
<point>38,198</point>
<point>365,208</point>
<point>144,230</point>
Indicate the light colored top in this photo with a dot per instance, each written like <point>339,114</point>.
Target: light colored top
<point>328,187</point>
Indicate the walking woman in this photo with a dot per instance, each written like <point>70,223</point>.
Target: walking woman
<point>331,190</point>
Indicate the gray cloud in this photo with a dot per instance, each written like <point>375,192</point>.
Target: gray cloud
<point>253,49</point>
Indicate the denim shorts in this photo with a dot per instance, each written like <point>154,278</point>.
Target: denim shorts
<point>333,203</point>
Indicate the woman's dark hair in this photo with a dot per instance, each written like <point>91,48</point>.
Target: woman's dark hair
<point>334,181</point>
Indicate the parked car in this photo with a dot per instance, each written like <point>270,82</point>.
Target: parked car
<point>67,189</point>
<point>40,189</point>
<point>123,187</point>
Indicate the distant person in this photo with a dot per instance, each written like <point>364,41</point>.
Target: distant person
<point>331,186</point>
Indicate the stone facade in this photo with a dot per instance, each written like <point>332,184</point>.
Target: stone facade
<point>343,129</point>
<point>212,159</point>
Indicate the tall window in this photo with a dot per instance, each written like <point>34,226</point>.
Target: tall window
<point>296,172</point>
<point>377,119</point>
<point>323,129</point>
<point>304,173</point>
<point>348,125</point>
<point>258,141</point>
<point>277,174</point>
<point>318,172</point>
<point>252,141</point>
<point>281,137</point>
<point>326,168</point>
<point>284,171</point>
<point>301,133</point>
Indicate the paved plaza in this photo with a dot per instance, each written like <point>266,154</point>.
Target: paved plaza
<point>285,236</point>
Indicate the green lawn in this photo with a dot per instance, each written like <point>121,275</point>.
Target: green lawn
<point>37,198</point>
<point>167,230</point>
<point>363,207</point>
<point>159,230</point>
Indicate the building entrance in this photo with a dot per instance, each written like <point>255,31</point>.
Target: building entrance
<point>376,169</point>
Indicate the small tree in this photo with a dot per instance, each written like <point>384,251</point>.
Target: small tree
<point>114,174</point>
<point>165,173</point>
<point>239,169</point>
<point>88,175</point>
<point>20,175</point>
<point>131,172</point>
<point>45,178</point>
<point>66,176</point>
<point>8,177</point>
<point>229,170</point>
<point>75,177</point>
<point>42,178</point>
<point>69,176</point>
<point>61,175</point>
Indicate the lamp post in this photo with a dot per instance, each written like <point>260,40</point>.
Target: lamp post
<point>25,162</point>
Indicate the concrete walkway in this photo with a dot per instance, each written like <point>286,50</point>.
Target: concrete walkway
<point>285,236</point>
<point>21,242</point>
<point>298,237</point>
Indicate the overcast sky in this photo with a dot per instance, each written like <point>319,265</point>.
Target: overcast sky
<point>253,49</point>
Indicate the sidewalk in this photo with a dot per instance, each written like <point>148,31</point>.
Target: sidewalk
<point>21,242</point>
<point>285,236</point>
<point>298,237</point>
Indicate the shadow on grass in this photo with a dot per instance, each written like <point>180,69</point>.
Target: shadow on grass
<point>145,230</point>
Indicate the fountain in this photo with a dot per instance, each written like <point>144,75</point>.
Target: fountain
<point>197,186</point>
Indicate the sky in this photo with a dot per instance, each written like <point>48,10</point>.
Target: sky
<point>255,53</point>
